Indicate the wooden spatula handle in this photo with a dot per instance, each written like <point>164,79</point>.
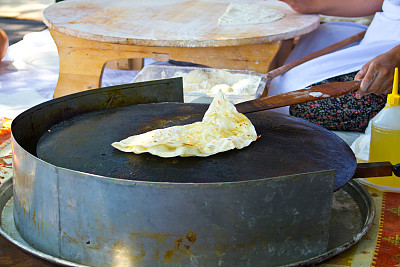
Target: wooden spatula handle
<point>329,49</point>
<point>376,169</point>
<point>317,92</point>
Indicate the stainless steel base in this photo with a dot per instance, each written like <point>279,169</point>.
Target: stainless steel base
<point>353,211</point>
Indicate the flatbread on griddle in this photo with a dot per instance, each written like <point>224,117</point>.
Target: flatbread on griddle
<point>222,129</point>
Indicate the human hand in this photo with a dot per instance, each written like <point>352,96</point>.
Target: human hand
<point>377,74</point>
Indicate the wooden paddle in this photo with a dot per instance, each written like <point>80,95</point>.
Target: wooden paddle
<point>317,92</point>
<point>329,49</point>
<point>313,93</point>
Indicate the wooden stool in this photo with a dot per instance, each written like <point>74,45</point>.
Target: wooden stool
<point>88,35</point>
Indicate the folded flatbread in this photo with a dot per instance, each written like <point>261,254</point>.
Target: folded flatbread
<point>222,128</point>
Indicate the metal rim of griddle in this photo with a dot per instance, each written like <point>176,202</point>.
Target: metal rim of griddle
<point>25,128</point>
<point>105,97</point>
<point>82,143</point>
<point>355,190</point>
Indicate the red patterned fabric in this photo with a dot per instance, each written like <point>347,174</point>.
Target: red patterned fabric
<point>387,250</point>
<point>5,134</point>
<point>5,156</point>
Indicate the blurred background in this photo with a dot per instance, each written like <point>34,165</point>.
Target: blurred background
<point>19,17</point>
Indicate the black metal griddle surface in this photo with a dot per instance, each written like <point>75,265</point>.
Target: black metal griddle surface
<point>287,146</point>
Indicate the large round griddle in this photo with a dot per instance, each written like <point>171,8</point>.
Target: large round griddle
<point>77,130</point>
<point>286,146</point>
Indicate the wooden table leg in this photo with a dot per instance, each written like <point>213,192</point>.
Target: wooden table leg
<point>255,57</point>
<point>126,64</point>
<point>80,68</point>
<point>82,61</point>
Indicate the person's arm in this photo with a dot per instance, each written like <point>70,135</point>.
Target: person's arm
<point>377,74</point>
<point>341,8</point>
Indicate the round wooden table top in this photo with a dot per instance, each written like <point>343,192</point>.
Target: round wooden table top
<point>170,23</point>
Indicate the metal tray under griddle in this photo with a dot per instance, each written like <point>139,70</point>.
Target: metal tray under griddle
<point>241,207</point>
<point>352,214</point>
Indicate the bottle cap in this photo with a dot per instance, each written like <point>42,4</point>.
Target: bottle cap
<point>393,99</point>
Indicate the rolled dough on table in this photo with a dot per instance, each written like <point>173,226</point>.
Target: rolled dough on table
<point>246,14</point>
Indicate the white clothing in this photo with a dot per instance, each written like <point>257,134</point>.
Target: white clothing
<point>29,74</point>
<point>382,35</point>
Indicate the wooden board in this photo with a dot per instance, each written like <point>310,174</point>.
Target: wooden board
<point>170,23</point>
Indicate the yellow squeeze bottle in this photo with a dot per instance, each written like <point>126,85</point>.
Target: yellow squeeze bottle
<point>385,138</point>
